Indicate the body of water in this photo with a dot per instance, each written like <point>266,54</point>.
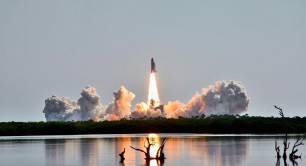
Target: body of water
<point>180,149</point>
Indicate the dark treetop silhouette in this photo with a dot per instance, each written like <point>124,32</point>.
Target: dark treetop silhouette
<point>286,145</point>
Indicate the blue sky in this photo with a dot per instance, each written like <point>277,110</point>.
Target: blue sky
<point>58,47</point>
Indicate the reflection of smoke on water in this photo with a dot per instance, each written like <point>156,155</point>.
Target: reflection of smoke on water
<point>207,151</point>
<point>90,152</point>
<point>228,151</point>
<point>61,151</point>
<point>83,152</point>
<point>54,151</point>
<point>178,150</point>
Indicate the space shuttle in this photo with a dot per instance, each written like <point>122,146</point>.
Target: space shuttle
<point>153,67</point>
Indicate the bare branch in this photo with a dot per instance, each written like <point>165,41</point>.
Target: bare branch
<point>122,153</point>
<point>161,147</point>
<point>298,142</point>
<point>138,149</point>
<point>122,158</point>
<point>159,155</point>
<point>281,113</point>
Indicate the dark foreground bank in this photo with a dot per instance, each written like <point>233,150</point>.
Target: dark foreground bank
<point>216,124</point>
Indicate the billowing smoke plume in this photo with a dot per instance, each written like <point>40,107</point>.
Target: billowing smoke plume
<point>223,97</point>
<point>63,109</point>
<point>142,110</point>
<point>121,108</point>
<point>174,109</point>
<point>90,105</point>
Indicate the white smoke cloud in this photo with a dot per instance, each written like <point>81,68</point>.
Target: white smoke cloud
<point>63,109</point>
<point>121,108</point>
<point>142,110</point>
<point>90,105</point>
<point>174,109</point>
<point>223,97</point>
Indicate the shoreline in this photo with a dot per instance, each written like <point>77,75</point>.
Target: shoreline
<point>210,125</point>
<point>167,135</point>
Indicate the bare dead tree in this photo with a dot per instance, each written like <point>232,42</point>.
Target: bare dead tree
<point>294,150</point>
<point>286,146</point>
<point>147,152</point>
<point>160,156</point>
<point>122,158</point>
<point>278,156</point>
<point>277,149</point>
<point>292,155</point>
<point>160,152</point>
<point>285,142</point>
<point>148,147</point>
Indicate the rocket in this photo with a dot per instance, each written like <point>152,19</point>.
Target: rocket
<point>153,69</point>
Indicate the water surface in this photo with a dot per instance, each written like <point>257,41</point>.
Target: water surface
<point>180,149</point>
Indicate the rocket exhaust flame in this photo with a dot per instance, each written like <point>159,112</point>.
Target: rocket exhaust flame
<point>153,97</point>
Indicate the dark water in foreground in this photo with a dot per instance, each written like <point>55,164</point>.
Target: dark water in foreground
<point>180,149</point>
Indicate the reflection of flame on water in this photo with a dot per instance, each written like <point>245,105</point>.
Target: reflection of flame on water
<point>155,141</point>
<point>154,163</point>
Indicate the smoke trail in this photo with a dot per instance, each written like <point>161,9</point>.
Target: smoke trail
<point>223,97</point>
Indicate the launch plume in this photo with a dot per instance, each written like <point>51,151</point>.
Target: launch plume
<point>223,97</point>
<point>143,110</point>
<point>90,105</point>
<point>63,109</point>
<point>121,108</point>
